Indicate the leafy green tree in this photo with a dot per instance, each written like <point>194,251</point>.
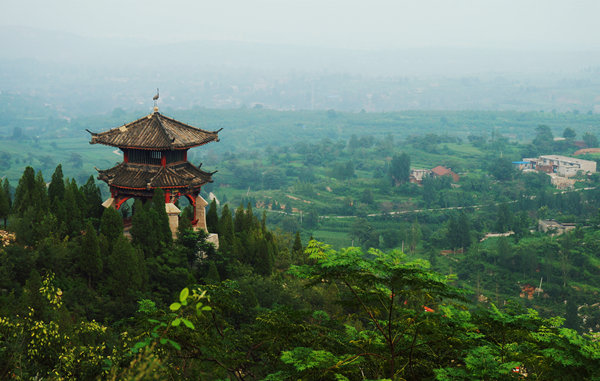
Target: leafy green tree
<point>569,133</point>
<point>459,231</point>
<point>311,218</point>
<point>504,221</point>
<point>400,168</point>
<point>391,238</point>
<point>590,139</point>
<point>367,197</point>
<point>501,168</point>
<point>388,294</point>
<point>544,140</point>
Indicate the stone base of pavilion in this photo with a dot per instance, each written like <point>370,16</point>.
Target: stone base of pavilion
<point>173,215</point>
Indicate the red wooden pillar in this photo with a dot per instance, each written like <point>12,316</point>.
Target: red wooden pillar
<point>163,159</point>
<point>192,199</point>
<point>167,196</point>
<point>126,156</point>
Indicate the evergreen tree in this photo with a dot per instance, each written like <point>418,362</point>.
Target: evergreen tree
<point>24,194</point>
<point>74,221</point>
<point>212,218</point>
<point>56,189</point>
<point>297,249</point>
<point>161,220</point>
<point>212,277</point>
<point>90,261</point>
<point>125,268</point>
<point>6,189</point>
<point>263,260</point>
<point>4,205</point>
<point>93,200</point>
<point>40,194</point>
<point>111,225</point>
<point>226,229</point>
<point>239,222</point>
<point>143,229</point>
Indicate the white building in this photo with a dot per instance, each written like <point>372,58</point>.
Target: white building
<point>567,166</point>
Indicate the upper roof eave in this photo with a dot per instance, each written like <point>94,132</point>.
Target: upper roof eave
<point>155,132</point>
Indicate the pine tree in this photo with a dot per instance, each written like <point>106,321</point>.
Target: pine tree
<point>297,250</point>
<point>212,218</point>
<point>142,231</point>
<point>212,277</point>
<point>56,189</point>
<point>239,220</point>
<point>4,205</point>
<point>161,221</point>
<point>72,211</point>
<point>111,225</point>
<point>93,200</point>
<point>40,194</point>
<point>125,268</point>
<point>6,189</point>
<point>263,257</point>
<point>250,221</point>
<point>226,229</point>
<point>90,261</point>
<point>24,192</point>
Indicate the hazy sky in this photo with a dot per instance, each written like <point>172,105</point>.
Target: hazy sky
<point>372,24</point>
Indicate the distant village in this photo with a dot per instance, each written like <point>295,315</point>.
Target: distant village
<point>562,170</point>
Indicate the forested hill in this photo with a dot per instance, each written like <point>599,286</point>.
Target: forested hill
<point>81,301</point>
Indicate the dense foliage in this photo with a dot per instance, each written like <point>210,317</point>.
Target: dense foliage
<point>81,301</point>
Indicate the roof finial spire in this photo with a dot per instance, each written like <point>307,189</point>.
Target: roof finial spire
<point>155,99</point>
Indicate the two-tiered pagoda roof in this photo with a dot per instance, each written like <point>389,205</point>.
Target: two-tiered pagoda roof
<point>155,154</point>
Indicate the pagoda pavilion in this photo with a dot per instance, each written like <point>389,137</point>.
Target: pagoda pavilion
<point>155,156</point>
